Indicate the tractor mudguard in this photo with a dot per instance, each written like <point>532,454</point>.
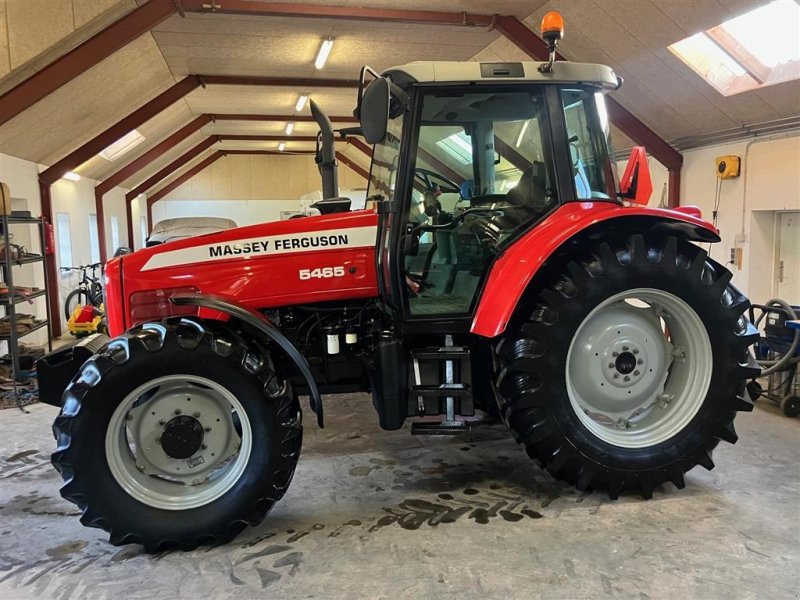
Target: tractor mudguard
<point>260,323</point>
<point>516,267</point>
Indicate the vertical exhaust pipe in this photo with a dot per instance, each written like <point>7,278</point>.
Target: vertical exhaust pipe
<point>326,153</point>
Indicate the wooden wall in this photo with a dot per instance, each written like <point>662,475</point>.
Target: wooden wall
<point>260,177</point>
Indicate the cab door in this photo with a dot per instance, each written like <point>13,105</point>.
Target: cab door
<point>482,173</point>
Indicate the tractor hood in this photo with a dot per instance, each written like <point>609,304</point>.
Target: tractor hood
<point>312,259</point>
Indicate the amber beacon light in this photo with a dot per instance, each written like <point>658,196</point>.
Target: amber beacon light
<point>552,29</point>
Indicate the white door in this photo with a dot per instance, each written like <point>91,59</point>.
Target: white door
<point>787,275</point>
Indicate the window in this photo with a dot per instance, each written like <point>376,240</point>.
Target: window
<point>383,176</point>
<point>123,145</point>
<point>481,175</point>
<point>756,49</point>
<point>143,229</point>
<point>63,235</point>
<point>94,240</point>
<point>587,132</point>
<point>114,233</point>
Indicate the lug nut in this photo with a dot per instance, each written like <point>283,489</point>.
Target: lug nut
<point>610,365</point>
<point>636,351</point>
<point>640,362</point>
<point>162,422</point>
<point>208,429</point>
<point>203,446</point>
<point>615,353</point>
<point>196,415</point>
<point>616,375</point>
<point>624,348</point>
<point>177,411</point>
<point>627,378</point>
<point>636,372</point>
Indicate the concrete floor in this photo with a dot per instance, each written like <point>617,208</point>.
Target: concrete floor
<point>372,514</point>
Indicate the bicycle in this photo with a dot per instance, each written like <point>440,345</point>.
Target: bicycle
<point>89,290</point>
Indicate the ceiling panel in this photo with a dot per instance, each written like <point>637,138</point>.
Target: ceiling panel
<point>87,105</point>
<point>240,45</point>
<point>154,131</point>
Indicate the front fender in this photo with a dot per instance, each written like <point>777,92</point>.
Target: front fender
<point>260,323</point>
<point>516,267</point>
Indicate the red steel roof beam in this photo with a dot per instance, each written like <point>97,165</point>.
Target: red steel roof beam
<point>351,13</point>
<point>267,138</point>
<point>278,81</point>
<point>81,58</point>
<point>298,118</point>
<point>354,166</point>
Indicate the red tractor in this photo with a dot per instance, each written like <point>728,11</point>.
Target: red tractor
<point>500,265</point>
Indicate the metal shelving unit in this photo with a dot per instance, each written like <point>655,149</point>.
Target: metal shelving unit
<point>10,302</point>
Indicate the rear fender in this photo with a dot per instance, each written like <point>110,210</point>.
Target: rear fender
<point>260,323</point>
<point>568,228</point>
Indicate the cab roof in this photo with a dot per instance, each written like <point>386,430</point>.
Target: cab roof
<point>497,72</point>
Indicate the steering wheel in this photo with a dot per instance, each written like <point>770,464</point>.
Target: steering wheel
<point>478,210</point>
<point>427,174</point>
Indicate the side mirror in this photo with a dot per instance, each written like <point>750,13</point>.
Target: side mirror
<point>374,110</point>
<point>636,184</point>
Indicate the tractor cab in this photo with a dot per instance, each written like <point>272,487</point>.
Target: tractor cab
<point>468,157</point>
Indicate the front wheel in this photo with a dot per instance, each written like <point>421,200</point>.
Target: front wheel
<point>177,434</point>
<point>627,366</point>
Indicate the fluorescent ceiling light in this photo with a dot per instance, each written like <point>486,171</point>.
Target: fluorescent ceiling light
<point>281,146</point>
<point>123,145</point>
<point>69,175</point>
<point>324,52</point>
<point>753,50</point>
<point>289,128</point>
<point>301,102</point>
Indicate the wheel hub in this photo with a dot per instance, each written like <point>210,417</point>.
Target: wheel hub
<point>182,437</point>
<point>178,441</point>
<point>625,363</point>
<point>638,367</point>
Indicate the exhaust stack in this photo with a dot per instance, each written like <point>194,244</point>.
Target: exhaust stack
<point>326,153</point>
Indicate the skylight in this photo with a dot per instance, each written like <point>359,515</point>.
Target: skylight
<point>458,146</point>
<point>123,145</point>
<point>756,49</point>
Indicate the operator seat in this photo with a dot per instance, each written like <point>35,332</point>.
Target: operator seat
<point>524,203</point>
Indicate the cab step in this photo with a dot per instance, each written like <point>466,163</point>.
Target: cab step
<point>441,428</point>
<point>441,353</point>
<point>444,390</point>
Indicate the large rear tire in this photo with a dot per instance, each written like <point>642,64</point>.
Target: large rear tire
<point>624,369</point>
<point>177,434</point>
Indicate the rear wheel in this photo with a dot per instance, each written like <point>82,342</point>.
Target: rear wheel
<point>626,367</point>
<point>177,434</point>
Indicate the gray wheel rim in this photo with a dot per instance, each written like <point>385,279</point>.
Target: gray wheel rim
<point>147,473</point>
<point>639,368</point>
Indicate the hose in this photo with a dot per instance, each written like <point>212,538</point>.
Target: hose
<point>789,357</point>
